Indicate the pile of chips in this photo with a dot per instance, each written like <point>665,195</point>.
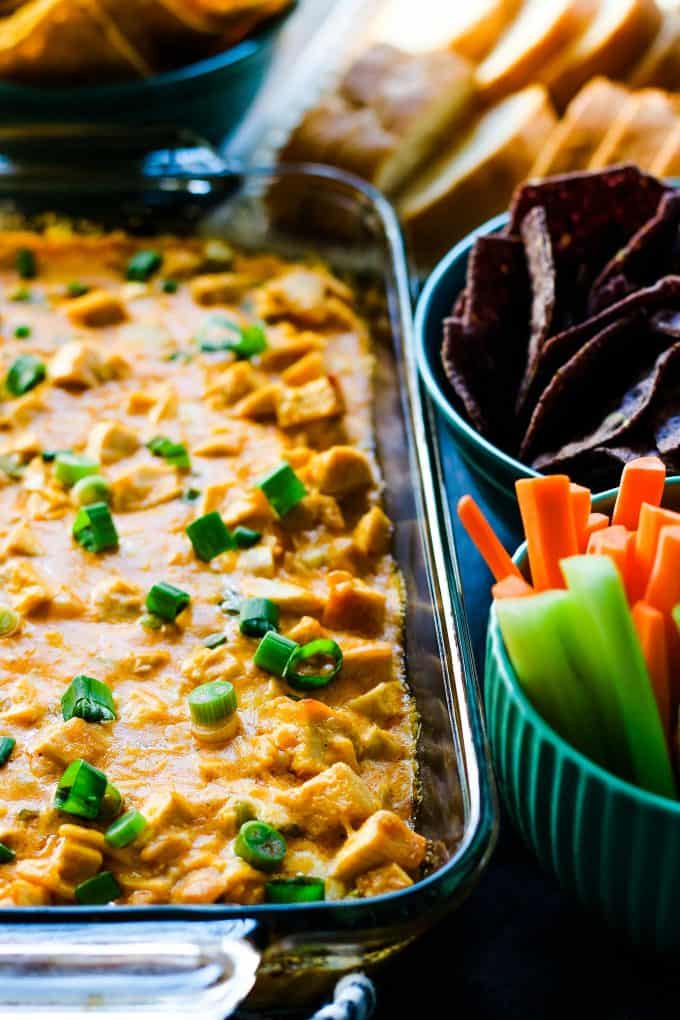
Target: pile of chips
<point>564,347</point>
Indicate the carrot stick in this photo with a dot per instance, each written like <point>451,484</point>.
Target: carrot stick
<point>663,587</point>
<point>642,481</point>
<point>511,587</point>
<point>546,508</point>
<point>581,499</point>
<point>652,520</point>
<point>488,544</point>
<point>619,544</point>
<point>651,630</point>
<point>595,522</point>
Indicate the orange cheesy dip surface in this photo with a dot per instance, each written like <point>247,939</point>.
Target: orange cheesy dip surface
<point>146,386</point>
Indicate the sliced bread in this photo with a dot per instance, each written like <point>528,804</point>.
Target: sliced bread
<point>667,163</point>
<point>639,132</point>
<point>474,179</point>
<point>660,65</point>
<point>582,128</point>
<point>482,29</point>
<point>539,31</point>
<point>620,31</point>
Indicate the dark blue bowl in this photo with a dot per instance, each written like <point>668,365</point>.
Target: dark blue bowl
<point>209,97</point>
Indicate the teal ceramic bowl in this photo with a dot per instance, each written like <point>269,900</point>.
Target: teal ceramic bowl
<point>209,97</point>
<point>614,846</point>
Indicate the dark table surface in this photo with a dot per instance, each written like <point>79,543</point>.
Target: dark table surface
<point>518,947</point>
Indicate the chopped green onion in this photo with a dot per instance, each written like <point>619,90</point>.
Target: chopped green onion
<point>261,845</point>
<point>69,468</point>
<point>111,802</point>
<point>212,703</point>
<point>191,495</point>
<point>99,889</point>
<point>142,265</point>
<point>258,616</point>
<point>20,294</point>
<point>220,333</point>
<point>274,652</point>
<point>7,745</point>
<point>253,341</point>
<point>22,332</point>
<point>302,889</point>
<point>50,455</point>
<point>283,488</point>
<point>169,286</point>
<point>25,264</point>
<point>209,536</point>
<point>92,489</point>
<point>9,621</point>
<point>215,640</point>
<point>94,529</point>
<point>150,621</point>
<point>76,289</point>
<point>7,855</point>
<point>174,453</point>
<point>25,372</point>
<point>244,538</point>
<point>324,648</point>
<point>166,601</point>
<point>125,829</point>
<point>80,790</point>
<point>89,699</point>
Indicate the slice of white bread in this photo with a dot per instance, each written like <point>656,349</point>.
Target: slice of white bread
<point>660,65</point>
<point>667,163</point>
<point>470,30</point>
<point>614,39</point>
<point>582,128</point>
<point>483,27</point>
<point>539,31</point>
<point>639,132</point>
<point>475,178</point>
<point>387,115</point>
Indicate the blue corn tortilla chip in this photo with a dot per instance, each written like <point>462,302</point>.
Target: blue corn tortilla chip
<point>600,467</point>
<point>541,266</point>
<point>466,368</point>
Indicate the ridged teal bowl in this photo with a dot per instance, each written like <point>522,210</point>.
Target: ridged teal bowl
<point>614,846</point>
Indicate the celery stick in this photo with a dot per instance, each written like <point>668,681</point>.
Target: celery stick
<point>613,653</point>
<point>676,616</point>
<point>532,631</point>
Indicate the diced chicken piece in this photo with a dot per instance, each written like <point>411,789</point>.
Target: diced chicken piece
<point>335,799</point>
<point>298,405</point>
<point>111,441</point>
<point>301,294</point>
<point>18,413</point>
<point>217,252</point>
<point>165,848</point>
<point>243,883</point>
<point>231,385</point>
<point>373,661</point>
<point>315,736</point>
<point>259,561</point>
<point>381,703</point>
<point>352,605</point>
<point>222,443</point>
<point>66,604</point>
<point>308,629</point>
<point>383,839</point>
<point>28,588</point>
<point>312,510</point>
<point>202,885</point>
<point>247,507</point>
<point>79,853</point>
<point>22,445</point>
<point>380,745</point>
<point>21,541</point>
<point>21,893</point>
<point>26,704</point>
<point>341,470</point>
<point>145,706</point>
<point>388,878</point>
<point>139,402</point>
<point>82,364</point>
<point>165,404</point>
<point>213,496</point>
<point>290,598</point>
<point>286,345</point>
<point>260,404</point>
<point>304,370</point>
<point>115,599</point>
<point>145,663</point>
<point>207,664</point>
<point>143,486</point>
<point>96,308</point>
<point>179,263</point>
<point>164,808</point>
<point>63,742</point>
<point>373,533</point>
<point>219,288</point>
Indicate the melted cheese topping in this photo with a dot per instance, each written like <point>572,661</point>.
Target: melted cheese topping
<point>334,774</point>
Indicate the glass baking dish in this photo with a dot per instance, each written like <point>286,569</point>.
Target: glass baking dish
<point>165,960</point>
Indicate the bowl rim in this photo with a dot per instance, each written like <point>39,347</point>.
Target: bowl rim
<point>498,650</point>
<point>236,54</point>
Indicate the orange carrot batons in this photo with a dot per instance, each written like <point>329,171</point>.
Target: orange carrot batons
<point>642,481</point>
<point>489,546</point>
<point>663,587</point>
<point>651,630</point>
<point>652,520</point>
<point>618,544</point>
<point>595,522</point>
<point>546,509</point>
<point>581,499</point>
<point>512,587</point>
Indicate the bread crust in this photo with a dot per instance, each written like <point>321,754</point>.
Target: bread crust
<point>639,132</point>
<point>660,65</point>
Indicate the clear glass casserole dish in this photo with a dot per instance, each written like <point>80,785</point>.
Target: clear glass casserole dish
<point>165,960</point>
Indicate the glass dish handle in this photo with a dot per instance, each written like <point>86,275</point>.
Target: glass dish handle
<point>62,975</point>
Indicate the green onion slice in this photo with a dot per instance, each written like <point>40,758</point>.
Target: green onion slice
<point>273,653</point>
<point>70,468</point>
<point>25,264</point>
<point>7,745</point>
<point>112,802</point>
<point>261,845</point>
<point>220,333</point>
<point>143,265</point>
<point>244,538</point>
<point>80,790</point>
<point>209,536</point>
<point>301,889</point>
<point>173,453</point>
<point>7,855</point>
<point>215,640</point>
<point>93,489</point>
<point>252,341</point>
<point>76,289</point>
<point>258,616</point>
<point>89,699</point>
<point>25,372</point>
<point>212,703</point>
<point>283,489</point>
<point>94,529</point>
<point>167,601</point>
<point>99,889</point>
<point>22,332</point>
<point>9,621</point>
<point>324,649</point>
<point>125,829</point>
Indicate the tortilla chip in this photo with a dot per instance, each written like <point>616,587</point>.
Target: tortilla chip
<point>65,42</point>
<point>539,256</point>
<point>467,370</point>
<point>601,467</point>
<point>667,322</point>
